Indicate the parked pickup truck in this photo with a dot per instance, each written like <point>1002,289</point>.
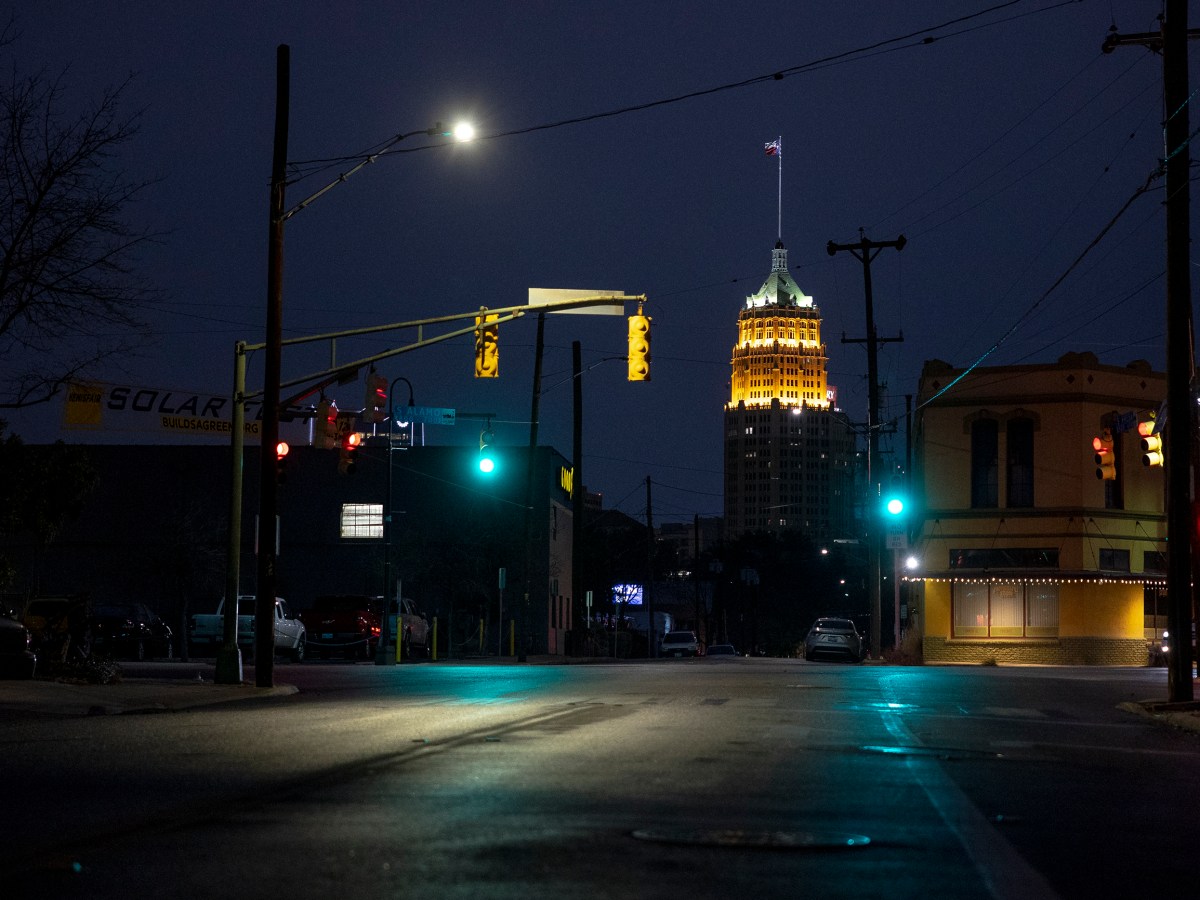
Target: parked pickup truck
<point>343,624</point>
<point>207,633</point>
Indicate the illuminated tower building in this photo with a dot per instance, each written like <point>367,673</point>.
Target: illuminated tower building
<point>789,452</point>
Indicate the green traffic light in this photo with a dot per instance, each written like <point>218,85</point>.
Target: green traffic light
<point>895,506</point>
<point>487,465</point>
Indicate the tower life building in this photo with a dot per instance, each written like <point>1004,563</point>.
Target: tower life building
<point>789,451</point>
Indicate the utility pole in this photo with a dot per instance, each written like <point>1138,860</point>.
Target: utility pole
<point>1171,42</point>
<point>865,250</point>
<point>268,506</point>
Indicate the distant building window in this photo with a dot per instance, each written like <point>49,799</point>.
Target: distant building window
<point>984,463</point>
<point>1004,558</point>
<point>1155,562</point>
<point>1020,463</point>
<point>1004,610</point>
<point>362,520</point>
<point>1112,560</point>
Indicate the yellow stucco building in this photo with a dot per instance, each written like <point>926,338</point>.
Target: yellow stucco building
<point>1025,552</point>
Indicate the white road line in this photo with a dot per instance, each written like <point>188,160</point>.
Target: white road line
<point>1005,872</point>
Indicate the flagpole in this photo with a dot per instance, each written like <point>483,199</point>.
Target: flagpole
<point>779,204</point>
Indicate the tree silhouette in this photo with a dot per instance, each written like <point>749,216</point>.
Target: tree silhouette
<point>70,292</point>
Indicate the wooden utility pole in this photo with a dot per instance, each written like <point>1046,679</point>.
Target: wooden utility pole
<point>1171,42</point>
<point>865,251</point>
<point>268,506</point>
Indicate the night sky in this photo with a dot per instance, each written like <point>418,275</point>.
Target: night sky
<point>1000,149</point>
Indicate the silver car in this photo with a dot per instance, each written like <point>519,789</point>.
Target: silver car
<point>680,643</point>
<point>833,638</point>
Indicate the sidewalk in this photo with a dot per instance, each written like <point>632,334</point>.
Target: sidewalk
<point>129,695</point>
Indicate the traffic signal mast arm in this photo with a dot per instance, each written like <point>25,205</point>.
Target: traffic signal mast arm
<point>503,314</point>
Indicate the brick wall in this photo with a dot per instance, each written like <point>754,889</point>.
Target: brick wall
<point>1066,651</point>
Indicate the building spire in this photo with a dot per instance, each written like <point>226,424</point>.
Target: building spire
<point>780,289</point>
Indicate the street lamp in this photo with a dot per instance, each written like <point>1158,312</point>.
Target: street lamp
<point>229,660</point>
<point>382,656</point>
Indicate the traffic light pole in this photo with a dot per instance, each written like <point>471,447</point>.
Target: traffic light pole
<point>530,473</point>
<point>865,251</point>
<point>383,656</point>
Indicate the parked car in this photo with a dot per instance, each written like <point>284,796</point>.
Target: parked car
<point>17,659</point>
<point>833,637</point>
<point>680,643</point>
<point>720,650</point>
<point>347,624</point>
<point>130,630</point>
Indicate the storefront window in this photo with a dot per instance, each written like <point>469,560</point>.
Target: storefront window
<point>1004,610</point>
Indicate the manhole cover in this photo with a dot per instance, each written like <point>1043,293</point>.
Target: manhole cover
<point>769,840</point>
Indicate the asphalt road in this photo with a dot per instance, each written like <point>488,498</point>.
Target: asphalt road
<point>703,778</point>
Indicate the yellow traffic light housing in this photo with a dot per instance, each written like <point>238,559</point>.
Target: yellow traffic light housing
<point>1106,462</point>
<point>639,347</point>
<point>487,345</point>
<point>1152,445</point>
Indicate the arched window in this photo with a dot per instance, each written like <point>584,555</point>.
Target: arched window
<point>985,435</point>
<point>1019,474</point>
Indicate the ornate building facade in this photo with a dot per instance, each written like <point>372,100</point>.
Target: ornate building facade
<point>789,451</point>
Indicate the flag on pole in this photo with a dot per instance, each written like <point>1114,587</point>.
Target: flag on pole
<point>773,148</point>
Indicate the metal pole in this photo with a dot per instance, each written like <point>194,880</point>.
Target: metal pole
<point>382,655</point>
<point>229,657</point>
<point>531,470</point>
<point>577,497</point>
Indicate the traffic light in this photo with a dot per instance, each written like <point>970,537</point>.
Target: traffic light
<point>487,459</point>
<point>325,430</point>
<point>348,463</point>
<point>281,452</point>
<point>1106,461</point>
<point>894,501</point>
<point>487,345</point>
<point>1152,445</point>
<point>376,400</point>
<point>639,347</point>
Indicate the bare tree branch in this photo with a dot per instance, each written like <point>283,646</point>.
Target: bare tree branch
<point>71,295</point>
